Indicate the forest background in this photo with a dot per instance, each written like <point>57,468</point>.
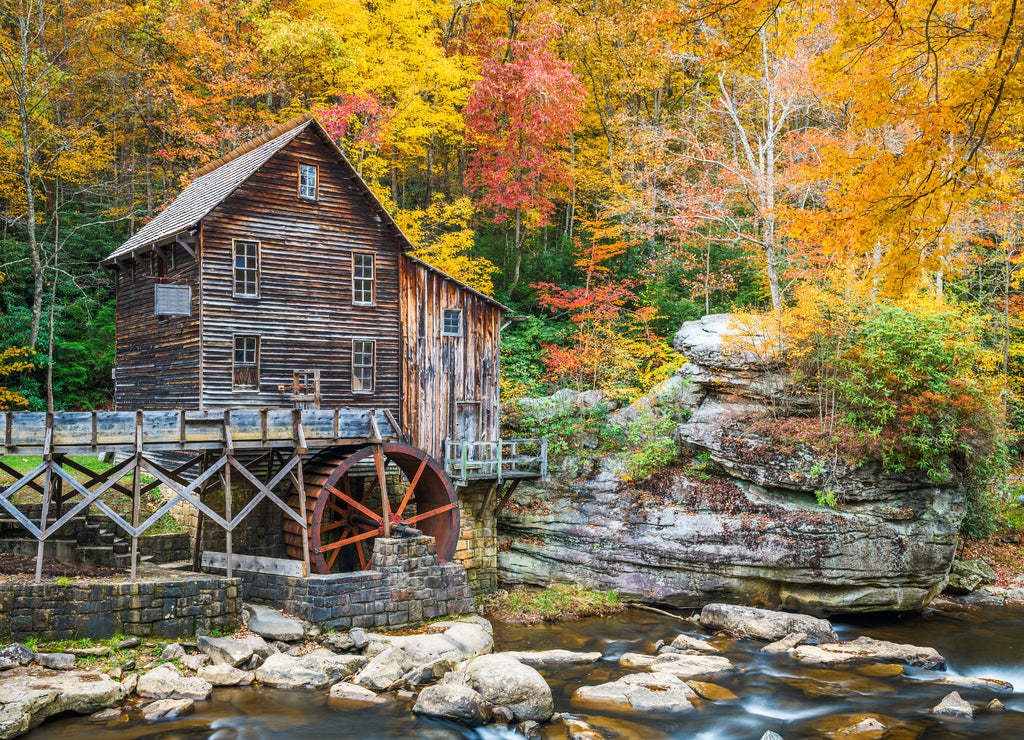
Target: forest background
<point>847,175</point>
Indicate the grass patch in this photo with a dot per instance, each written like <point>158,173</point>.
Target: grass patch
<point>523,605</point>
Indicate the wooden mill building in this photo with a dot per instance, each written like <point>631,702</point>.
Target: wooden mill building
<point>277,278</point>
<point>277,282</point>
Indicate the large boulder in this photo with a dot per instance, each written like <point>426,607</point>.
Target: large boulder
<point>15,655</point>
<point>453,701</point>
<point>763,624</point>
<point>503,681</point>
<point>30,695</point>
<point>234,652</point>
<point>313,671</point>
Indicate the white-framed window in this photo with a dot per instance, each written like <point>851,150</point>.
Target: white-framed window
<point>362,279</point>
<point>451,322</point>
<point>364,356</point>
<point>245,363</point>
<point>307,181</point>
<point>246,269</point>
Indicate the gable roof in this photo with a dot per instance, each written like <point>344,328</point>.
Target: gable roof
<point>220,178</point>
<point>216,181</point>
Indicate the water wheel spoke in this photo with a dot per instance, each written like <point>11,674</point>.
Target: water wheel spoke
<point>378,460</point>
<point>340,494</point>
<point>334,556</point>
<point>334,525</point>
<point>412,487</point>
<point>432,512</point>
<point>348,541</point>
<point>336,509</point>
<point>362,555</point>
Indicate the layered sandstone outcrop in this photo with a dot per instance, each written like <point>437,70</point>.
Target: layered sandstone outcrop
<point>748,529</point>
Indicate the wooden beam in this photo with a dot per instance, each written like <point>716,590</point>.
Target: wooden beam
<point>507,495</point>
<point>255,564</point>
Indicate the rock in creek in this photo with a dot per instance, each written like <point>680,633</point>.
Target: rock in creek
<point>273,625</point>
<point>982,684</point>
<point>952,705</point>
<point>314,671</point>
<point>355,695</point>
<point>553,657</point>
<point>712,692</point>
<point>225,675</point>
<point>30,695</point>
<point>682,665</point>
<point>867,650</point>
<point>686,644</point>
<point>166,682</point>
<point>751,534</point>
<point>762,624</point>
<point>167,709</point>
<point>419,659</point>
<point>453,701</point>
<point>641,691</point>
<point>786,644</point>
<point>195,662</point>
<point>504,681</point>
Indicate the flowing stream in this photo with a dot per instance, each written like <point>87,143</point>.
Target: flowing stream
<point>775,692</point>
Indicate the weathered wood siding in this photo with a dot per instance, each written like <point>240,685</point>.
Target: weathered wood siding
<point>304,314</point>
<point>156,357</point>
<point>441,372</point>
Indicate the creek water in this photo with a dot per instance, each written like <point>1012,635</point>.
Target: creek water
<point>775,692</point>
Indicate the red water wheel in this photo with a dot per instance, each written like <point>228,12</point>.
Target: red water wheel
<point>354,495</point>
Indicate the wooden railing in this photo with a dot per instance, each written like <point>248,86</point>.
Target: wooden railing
<point>496,460</point>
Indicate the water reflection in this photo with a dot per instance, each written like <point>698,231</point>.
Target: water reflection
<point>776,693</point>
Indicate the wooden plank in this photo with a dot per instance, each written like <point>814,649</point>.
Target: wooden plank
<point>255,564</point>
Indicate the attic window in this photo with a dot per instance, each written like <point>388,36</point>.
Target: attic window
<point>247,269</point>
<point>307,181</point>
<point>451,323</point>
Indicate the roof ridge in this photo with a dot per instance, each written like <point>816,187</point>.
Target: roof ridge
<point>254,143</point>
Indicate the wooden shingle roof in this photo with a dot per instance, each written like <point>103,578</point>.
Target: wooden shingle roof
<point>216,181</point>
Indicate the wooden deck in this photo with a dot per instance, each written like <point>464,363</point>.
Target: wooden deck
<point>92,432</point>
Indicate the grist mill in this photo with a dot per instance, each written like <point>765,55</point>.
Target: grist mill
<point>317,405</point>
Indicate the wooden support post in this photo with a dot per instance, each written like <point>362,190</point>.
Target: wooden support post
<point>302,510</point>
<point>197,546</point>
<point>42,521</point>
<point>227,510</point>
<point>505,497</point>
<point>385,505</point>
<point>136,492</point>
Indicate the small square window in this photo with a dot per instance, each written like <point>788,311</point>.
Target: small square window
<point>362,279</point>
<point>246,363</point>
<point>307,181</point>
<point>363,357</point>
<point>246,269</point>
<point>451,323</point>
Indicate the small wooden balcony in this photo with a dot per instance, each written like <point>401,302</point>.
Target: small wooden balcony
<point>496,460</point>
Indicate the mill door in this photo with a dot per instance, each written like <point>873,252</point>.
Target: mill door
<point>467,421</point>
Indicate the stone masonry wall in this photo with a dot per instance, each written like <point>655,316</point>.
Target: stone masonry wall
<point>162,609</point>
<point>260,533</point>
<point>477,550</point>
<point>406,585</point>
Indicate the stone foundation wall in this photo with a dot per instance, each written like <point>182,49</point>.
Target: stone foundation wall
<point>161,609</point>
<point>406,585</point>
<point>477,550</point>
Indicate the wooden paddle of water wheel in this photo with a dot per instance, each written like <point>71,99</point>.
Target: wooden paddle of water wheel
<point>355,494</point>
